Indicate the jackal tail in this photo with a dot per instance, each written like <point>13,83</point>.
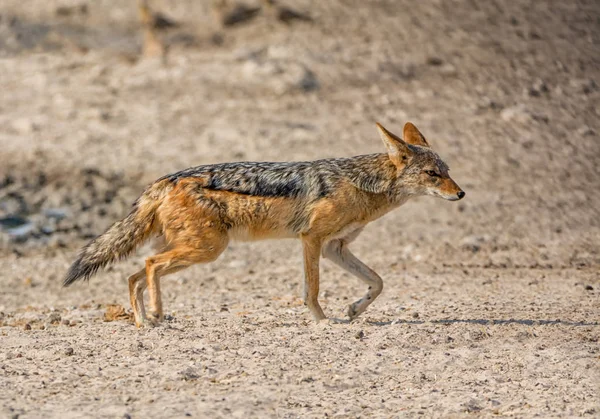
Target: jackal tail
<point>121,239</point>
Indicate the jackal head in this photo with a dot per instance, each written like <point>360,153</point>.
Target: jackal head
<point>420,170</point>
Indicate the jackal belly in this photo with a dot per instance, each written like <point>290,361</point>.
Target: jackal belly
<point>252,233</point>
<point>259,218</point>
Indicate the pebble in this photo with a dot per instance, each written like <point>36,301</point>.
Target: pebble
<point>57,213</point>
<point>435,61</point>
<point>516,113</point>
<point>24,125</point>
<point>538,88</point>
<point>586,131</point>
<point>189,374</point>
<point>69,351</point>
<point>54,318</point>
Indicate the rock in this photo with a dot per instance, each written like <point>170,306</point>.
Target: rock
<point>472,406</point>
<point>448,70</point>
<point>281,75</point>
<point>56,213</point>
<point>589,288</point>
<point>69,351</point>
<point>20,232</point>
<point>24,125</point>
<point>585,86</point>
<point>287,15</point>
<point>517,113</point>
<point>435,61</point>
<point>308,82</point>
<point>586,131</point>
<point>13,204</point>
<point>12,221</point>
<point>54,318</point>
<point>66,11</point>
<point>538,88</point>
<point>404,70</point>
<point>473,243</point>
<point>238,263</point>
<point>48,229</point>
<point>189,374</point>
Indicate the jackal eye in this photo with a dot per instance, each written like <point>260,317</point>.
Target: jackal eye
<point>432,173</point>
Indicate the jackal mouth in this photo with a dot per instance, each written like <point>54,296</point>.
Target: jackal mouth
<point>456,197</point>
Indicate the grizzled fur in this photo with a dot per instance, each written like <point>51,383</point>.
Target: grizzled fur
<point>311,179</point>
<point>325,203</point>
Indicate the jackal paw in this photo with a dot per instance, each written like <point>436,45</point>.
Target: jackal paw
<point>353,311</point>
<point>153,320</point>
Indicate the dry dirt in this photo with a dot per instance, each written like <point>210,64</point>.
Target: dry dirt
<point>491,306</point>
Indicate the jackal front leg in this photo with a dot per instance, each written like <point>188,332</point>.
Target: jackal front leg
<point>338,252</point>
<point>312,253</point>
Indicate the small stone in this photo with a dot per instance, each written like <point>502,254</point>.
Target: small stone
<point>54,318</point>
<point>69,351</point>
<point>448,70</point>
<point>24,126</point>
<point>585,86</point>
<point>517,113</point>
<point>27,326</point>
<point>12,221</point>
<point>238,263</point>
<point>415,315</point>
<point>538,88</point>
<point>586,131</point>
<point>435,61</point>
<point>66,322</point>
<point>189,374</point>
<point>360,334</point>
<point>589,288</point>
<point>309,81</point>
<point>56,213</point>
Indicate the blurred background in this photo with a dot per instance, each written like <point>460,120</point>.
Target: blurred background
<point>490,304</point>
<point>99,98</point>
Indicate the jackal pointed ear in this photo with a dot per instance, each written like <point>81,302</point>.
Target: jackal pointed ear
<point>398,150</point>
<point>413,136</point>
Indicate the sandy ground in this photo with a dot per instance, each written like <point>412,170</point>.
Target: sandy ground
<point>491,306</point>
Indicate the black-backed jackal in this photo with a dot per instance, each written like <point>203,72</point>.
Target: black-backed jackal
<point>324,203</point>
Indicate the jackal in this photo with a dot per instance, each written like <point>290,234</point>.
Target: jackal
<point>325,203</point>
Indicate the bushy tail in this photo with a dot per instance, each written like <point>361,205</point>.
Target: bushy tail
<point>121,239</point>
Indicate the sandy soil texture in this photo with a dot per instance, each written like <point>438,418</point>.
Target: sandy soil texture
<point>491,305</point>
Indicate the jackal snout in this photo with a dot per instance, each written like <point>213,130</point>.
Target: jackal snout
<point>450,190</point>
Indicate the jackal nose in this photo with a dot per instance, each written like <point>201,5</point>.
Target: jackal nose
<point>461,195</point>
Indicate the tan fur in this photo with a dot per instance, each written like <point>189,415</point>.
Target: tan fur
<point>325,204</point>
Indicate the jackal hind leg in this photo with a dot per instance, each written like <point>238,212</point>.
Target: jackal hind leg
<point>338,252</point>
<point>202,247</point>
<point>137,285</point>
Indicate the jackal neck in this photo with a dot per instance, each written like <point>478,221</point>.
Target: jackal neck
<point>374,173</point>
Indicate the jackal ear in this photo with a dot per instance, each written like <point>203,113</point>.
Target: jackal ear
<point>413,136</point>
<point>398,150</point>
